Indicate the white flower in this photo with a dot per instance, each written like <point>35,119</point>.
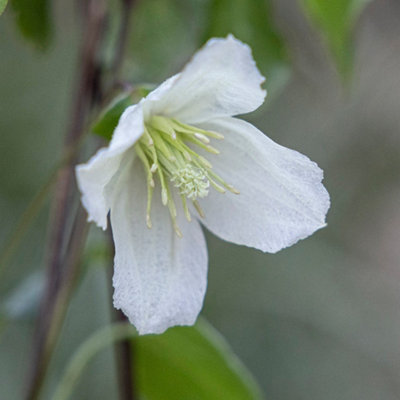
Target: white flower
<point>180,156</point>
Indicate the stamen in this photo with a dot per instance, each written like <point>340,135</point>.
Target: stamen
<point>223,183</point>
<point>216,186</point>
<point>185,208</point>
<point>164,196</point>
<point>150,182</point>
<point>165,151</point>
<point>187,155</point>
<point>172,211</point>
<point>153,168</point>
<point>162,124</point>
<point>199,143</point>
<point>181,127</point>
<point>202,137</point>
<point>161,145</point>
<point>148,221</point>
<point>198,209</point>
<point>232,189</point>
<point>182,147</point>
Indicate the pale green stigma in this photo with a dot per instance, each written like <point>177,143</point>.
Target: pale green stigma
<point>167,151</point>
<point>191,181</point>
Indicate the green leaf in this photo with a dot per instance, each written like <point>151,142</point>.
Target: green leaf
<point>23,301</point>
<point>336,19</point>
<point>251,21</point>
<point>3,4</point>
<point>33,20</point>
<point>184,363</point>
<point>86,352</point>
<point>107,121</point>
<point>191,363</point>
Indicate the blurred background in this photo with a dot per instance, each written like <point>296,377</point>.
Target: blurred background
<point>320,320</point>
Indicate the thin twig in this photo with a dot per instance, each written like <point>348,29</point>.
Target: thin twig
<point>56,270</point>
<point>126,15</point>
<point>63,259</point>
<point>72,265</point>
<point>125,364</point>
<point>124,351</point>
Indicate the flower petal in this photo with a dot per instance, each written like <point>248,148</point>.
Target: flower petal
<point>281,196</point>
<point>96,178</point>
<point>159,279</point>
<point>220,80</point>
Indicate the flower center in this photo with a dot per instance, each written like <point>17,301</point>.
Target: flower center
<point>166,156</point>
<point>191,181</point>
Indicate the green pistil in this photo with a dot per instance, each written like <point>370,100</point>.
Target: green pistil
<point>164,151</point>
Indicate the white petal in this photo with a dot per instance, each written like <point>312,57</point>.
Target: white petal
<point>96,179</point>
<point>281,196</point>
<point>159,279</point>
<point>220,80</point>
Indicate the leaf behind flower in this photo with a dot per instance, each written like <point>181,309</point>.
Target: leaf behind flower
<point>191,363</point>
<point>336,20</point>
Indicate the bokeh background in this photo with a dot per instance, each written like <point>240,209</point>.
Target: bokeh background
<point>320,320</point>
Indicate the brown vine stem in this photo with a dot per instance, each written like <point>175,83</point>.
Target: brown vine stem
<point>124,350</point>
<point>126,15</point>
<point>64,247</point>
<point>126,366</point>
<point>57,270</point>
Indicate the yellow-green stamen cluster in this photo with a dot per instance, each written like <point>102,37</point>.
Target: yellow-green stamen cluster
<point>165,153</point>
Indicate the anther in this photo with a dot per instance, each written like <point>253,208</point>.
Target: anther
<point>153,168</point>
<point>198,208</point>
<point>232,189</point>
<point>212,150</point>
<point>148,221</point>
<point>202,137</point>
<point>164,196</point>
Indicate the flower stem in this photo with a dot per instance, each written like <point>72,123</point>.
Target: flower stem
<point>125,365</point>
<point>124,351</point>
<point>63,257</point>
<point>126,14</point>
<point>48,329</point>
<point>64,248</point>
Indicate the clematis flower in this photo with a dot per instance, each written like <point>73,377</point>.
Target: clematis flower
<point>179,159</point>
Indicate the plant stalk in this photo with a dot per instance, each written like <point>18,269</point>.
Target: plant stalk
<point>124,350</point>
<point>56,290</point>
<point>64,248</point>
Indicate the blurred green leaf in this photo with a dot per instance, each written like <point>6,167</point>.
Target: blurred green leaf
<point>23,301</point>
<point>86,352</point>
<point>336,19</point>
<point>3,4</point>
<point>184,363</point>
<point>191,363</point>
<point>104,126</point>
<point>162,37</point>
<point>33,20</point>
<point>251,21</point>
<point>106,123</point>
